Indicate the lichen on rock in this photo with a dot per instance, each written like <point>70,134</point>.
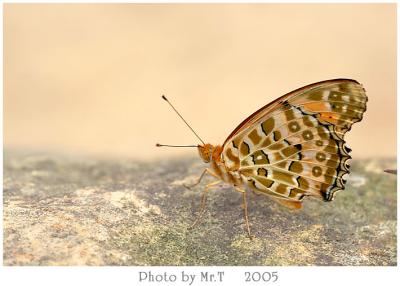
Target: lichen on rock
<point>60,210</point>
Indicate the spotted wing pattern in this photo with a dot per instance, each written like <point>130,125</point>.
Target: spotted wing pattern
<point>294,147</point>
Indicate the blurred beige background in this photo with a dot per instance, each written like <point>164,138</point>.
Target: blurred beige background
<point>87,79</point>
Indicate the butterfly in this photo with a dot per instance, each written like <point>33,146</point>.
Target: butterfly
<point>289,149</point>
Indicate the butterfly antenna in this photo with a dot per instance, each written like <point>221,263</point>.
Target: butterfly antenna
<point>165,145</point>
<point>163,97</point>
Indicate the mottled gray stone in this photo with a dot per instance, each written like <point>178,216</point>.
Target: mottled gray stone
<point>61,210</point>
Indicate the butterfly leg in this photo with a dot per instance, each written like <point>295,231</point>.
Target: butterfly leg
<point>245,212</point>
<point>200,178</point>
<point>203,202</point>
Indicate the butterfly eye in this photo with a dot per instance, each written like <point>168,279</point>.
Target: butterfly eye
<point>205,152</point>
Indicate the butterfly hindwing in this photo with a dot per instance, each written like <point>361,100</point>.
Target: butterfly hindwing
<point>294,147</point>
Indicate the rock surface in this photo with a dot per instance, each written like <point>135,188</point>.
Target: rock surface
<point>60,210</point>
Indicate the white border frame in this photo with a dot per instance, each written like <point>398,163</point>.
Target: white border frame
<point>107,275</point>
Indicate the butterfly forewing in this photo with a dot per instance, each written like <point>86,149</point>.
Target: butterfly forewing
<point>294,146</point>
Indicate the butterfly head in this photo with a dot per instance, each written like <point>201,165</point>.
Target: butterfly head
<point>209,152</point>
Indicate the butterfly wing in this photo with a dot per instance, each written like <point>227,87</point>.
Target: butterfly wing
<point>294,146</point>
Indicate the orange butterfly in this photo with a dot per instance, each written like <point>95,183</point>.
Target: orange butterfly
<point>289,149</point>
